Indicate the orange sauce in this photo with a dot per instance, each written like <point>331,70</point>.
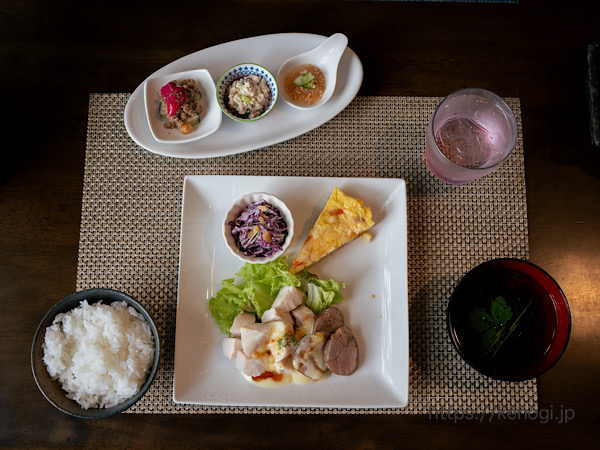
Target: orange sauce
<point>273,375</point>
<point>303,95</point>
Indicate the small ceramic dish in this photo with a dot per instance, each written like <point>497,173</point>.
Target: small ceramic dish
<point>235,211</point>
<point>210,118</point>
<point>509,320</point>
<point>51,389</point>
<point>326,58</point>
<point>241,71</point>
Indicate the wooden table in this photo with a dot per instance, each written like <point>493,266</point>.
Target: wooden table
<point>53,57</point>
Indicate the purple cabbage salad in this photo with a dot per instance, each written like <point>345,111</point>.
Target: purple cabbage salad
<point>259,230</point>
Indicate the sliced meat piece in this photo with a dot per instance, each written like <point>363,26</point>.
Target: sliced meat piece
<point>308,358</point>
<point>328,321</point>
<point>231,346</point>
<point>341,352</point>
<point>304,319</point>
<point>288,298</point>
<point>240,321</point>
<point>249,366</point>
<point>275,315</point>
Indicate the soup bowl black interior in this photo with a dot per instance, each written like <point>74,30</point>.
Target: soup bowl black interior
<point>509,320</point>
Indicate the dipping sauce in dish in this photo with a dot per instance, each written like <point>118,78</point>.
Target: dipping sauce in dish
<point>305,84</point>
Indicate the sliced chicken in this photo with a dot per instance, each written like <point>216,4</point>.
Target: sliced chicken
<point>239,321</point>
<point>254,336</point>
<point>275,315</point>
<point>231,346</point>
<point>304,319</point>
<point>288,298</point>
<point>272,338</point>
<point>308,358</point>
<point>252,367</point>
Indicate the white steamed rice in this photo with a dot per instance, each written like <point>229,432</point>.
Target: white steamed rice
<point>99,353</point>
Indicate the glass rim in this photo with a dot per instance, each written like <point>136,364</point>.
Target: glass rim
<point>502,105</point>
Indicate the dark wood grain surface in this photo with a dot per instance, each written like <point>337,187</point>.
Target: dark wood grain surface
<point>54,54</point>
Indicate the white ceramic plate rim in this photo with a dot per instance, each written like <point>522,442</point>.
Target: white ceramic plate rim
<point>210,119</point>
<point>376,305</point>
<point>282,123</point>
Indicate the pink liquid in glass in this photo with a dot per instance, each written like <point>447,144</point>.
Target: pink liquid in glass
<point>464,142</point>
<point>469,135</point>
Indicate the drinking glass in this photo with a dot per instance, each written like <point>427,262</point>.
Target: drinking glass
<point>471,133</point>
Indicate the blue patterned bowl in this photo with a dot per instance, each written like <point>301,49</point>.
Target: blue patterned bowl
<point>240,71</point>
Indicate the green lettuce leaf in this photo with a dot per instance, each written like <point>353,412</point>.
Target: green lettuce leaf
<point>258,287</point>
<point>320,294</point>
<point>228,302</point>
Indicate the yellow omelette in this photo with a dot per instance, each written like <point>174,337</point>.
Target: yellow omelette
<point>343,219</point>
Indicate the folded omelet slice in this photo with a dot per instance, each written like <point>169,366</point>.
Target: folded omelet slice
<point>343,219</point>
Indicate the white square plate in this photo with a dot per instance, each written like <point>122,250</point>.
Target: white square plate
<point>210,119</point>
<point>376,305</point>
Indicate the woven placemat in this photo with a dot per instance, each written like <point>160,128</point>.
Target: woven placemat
<point>131,215</point>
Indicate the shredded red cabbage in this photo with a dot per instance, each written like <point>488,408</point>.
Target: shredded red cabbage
<point>259,230</point>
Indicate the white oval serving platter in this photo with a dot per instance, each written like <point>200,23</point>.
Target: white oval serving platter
<point>283,123</point>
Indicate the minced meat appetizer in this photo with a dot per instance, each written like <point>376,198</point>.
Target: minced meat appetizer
<point>180,105</point>
<point>248,97</point>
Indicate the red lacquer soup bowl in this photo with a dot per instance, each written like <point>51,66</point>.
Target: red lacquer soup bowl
<point>509,319</point>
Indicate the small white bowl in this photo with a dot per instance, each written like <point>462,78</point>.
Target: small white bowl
<point>239,206</point>
<point>240,71</point>
<point>210,119</point>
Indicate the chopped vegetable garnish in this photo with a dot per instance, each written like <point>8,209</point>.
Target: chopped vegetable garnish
<point>306,80</point>
<point>247,100</point>
<point>286,340</point>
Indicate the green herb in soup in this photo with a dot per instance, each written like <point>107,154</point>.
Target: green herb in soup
<point>496,325</point>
